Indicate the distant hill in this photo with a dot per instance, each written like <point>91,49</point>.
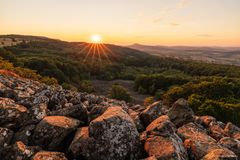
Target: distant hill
<point>220,55</point>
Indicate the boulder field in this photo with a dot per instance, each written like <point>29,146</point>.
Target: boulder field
<point>40,122</point>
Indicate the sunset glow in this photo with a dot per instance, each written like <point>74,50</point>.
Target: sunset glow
<point>155,22</point>
<point>96,38</point>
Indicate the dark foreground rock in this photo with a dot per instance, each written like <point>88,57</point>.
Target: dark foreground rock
<point>40,122</point>
<point>113,135</point>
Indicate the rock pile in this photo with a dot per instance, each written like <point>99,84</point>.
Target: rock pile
<point>39,122</point>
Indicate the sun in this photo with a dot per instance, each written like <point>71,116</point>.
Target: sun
<point>96,38</point>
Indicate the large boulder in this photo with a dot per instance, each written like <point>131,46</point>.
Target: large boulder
<point>24,134</point>
<point>164,148</point>
<point>180,113</point>
<point>220,154</point>
<point>136,119</point>
<point>197,142</point>
<point>113,135</point>
<point>231,144</point>
<point>19,151</point>
<point>44,155</point>
<point>11,114</point>
<point>51,132</point>
<point>151,113</point>
<point>78,111</point>
<point>5,138</point>
<point>232,130</point>
<point>161,142</point>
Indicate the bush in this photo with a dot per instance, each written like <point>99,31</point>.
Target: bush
<point>148,101</point>
<point>120,93</point>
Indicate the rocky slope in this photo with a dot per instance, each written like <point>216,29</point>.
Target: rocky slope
<point>40,122</point>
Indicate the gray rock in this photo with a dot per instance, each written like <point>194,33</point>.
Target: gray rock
<point>111,136</point>
<point>180,113</point>
<point>52,130</point>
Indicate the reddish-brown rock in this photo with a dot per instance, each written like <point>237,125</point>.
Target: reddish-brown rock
<point>44,155</point>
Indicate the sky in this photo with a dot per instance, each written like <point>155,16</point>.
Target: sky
<point>124,22</point>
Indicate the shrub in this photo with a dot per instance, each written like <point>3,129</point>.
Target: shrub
<point>120,93</point>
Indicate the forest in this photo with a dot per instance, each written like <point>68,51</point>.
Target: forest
<point>212,89</point>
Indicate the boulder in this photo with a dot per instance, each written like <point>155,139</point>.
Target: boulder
<point>180,113</point>
<point>136,119</point>
<point>52,131</point>
<point>196,140</point>
<point>164,148</point>
<point>24,134</point>
<point>216,131</point>
<point>5,137</point>
<point>78,111</point>
<point>206,120</point>
<point>19,151</point>
<point>44,155</point>
<point>232,130</point>
<point>231,144</point>
<point>11,113</point>
<point>113,135</point>
<point>151,113</point>
<point>161,126</point>
<point>220,154</point>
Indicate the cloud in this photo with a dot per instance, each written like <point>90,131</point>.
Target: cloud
<point>183,3</point>
<point>204,35</point>
<point>174,24</point>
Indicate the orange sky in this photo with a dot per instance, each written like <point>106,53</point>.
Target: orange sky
<point>156,22</point>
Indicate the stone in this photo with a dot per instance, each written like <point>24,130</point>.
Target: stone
<point>151,113</point>
<point>196,141</point>
<point>24,134</point>
<point>5,137</point>
<point>161,126</point>
<point>216,131</point>
<point>164,148</point>
<point>113,135</point>
<point>180,113</point>
<point>19,151</point>
<point>78,111</point>
<point>206,120</point>
<point>220,154</point>
<point>51,132</point>
<point>232,130</point>
<point>10,112</point>
<point>44,155</point>
<point>231,144</point>
<point>136,119</point>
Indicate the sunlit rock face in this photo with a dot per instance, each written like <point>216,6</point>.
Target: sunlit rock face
<point>40,122</point>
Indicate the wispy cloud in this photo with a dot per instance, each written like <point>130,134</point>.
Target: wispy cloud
<point>174,24</point>
<point>183,3</point>
<point>204,35</point>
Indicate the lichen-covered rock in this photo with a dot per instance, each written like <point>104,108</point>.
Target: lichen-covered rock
<point>78,111</point>
<point>24,134</point>
<point>136,119</point>
<point>44,155</point>
<point>5,137</point>
<point>216,131</point>
<point>180,113</point>
<point>52,130</point>
<point>19,151</point>
<point>220,154</point>
<point>12,113</point>
<point>205,120</point>
<point>111,136</point>
<point>232,131</point>
<point>161,126</point>
<point>196,141</point>
<point>161,142</point>
<point>164,148</point>
<point>152,112</point>
<point>231,144</point>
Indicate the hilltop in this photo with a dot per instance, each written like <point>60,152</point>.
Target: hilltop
<point>219,55</point>
<point>40,122</point>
